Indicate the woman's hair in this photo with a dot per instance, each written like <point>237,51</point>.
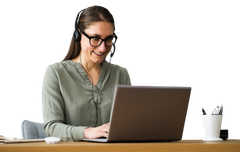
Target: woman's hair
<point>87,17</point>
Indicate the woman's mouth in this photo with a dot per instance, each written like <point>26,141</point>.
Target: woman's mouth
<point>98,54</point>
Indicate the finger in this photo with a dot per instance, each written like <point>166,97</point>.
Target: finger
<point>107,124</point>
<point>104,134</point>
<point>105,129</point>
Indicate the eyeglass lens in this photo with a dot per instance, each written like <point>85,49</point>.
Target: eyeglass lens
<point>96,41</point>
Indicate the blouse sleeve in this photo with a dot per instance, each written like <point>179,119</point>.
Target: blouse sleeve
<point>53,110</point>
<point>128,81</point>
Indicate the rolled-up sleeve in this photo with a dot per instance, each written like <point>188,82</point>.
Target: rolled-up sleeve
<point>54,110</point>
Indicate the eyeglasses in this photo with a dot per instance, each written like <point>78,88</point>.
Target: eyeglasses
<point>96,41</point>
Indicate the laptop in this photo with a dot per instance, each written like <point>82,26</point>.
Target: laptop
<point>147,113</point>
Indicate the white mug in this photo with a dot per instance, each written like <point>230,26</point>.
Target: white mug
<point>212,124</point>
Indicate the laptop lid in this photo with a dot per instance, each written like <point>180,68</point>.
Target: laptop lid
<point>147,113</point>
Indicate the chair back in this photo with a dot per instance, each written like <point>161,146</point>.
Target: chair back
<point>33,130</point>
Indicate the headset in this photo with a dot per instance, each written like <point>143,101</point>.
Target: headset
<point>77,38</point>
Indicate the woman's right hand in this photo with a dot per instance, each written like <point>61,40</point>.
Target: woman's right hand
<point>97,132</point>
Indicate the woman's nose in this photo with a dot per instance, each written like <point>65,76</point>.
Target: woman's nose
<point>102,47</point>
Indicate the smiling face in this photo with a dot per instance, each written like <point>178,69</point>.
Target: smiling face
<point>96,54</point>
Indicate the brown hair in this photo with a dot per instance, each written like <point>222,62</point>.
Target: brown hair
<point>87,17</point>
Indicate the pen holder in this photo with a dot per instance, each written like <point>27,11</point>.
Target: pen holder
<point>212,124</point>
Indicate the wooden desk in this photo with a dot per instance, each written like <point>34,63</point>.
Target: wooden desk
<point>181,146</point>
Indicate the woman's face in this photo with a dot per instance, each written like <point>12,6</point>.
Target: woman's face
<point>96,54</point>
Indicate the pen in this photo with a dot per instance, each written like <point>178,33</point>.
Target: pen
<point>220,110</point>
<point>203,111</point>
<point>213,112</point>
<point>217,109</point>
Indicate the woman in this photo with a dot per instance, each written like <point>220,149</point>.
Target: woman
<point>78,92</point>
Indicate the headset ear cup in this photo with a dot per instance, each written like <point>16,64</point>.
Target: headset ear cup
<point>77,36</point>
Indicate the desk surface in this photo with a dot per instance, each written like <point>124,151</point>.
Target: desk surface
<point>181,146</point>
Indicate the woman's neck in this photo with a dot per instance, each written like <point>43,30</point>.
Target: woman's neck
<point>88,65</point>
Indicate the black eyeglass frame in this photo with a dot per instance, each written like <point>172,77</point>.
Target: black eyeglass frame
<point>90,37</point>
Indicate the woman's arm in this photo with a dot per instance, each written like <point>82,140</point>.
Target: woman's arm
<point>53,110</point>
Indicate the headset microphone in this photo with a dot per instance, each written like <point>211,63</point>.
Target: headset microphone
<point>77,38</point>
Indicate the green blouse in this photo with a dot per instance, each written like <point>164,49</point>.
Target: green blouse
<point>68,107</point>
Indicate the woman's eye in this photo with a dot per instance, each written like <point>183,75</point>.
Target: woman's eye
<point>96,38</point>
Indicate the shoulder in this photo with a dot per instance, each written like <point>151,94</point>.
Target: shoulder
<point>120,73</point>
<point>58,67</point>
<point>118,69</point>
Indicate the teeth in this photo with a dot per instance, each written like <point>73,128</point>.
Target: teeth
<point>98,53</point>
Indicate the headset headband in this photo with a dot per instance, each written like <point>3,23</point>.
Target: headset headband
<point>76,20</point>
<point>78,16</point>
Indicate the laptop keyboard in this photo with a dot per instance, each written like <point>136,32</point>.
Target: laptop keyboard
<point>102,138</point>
